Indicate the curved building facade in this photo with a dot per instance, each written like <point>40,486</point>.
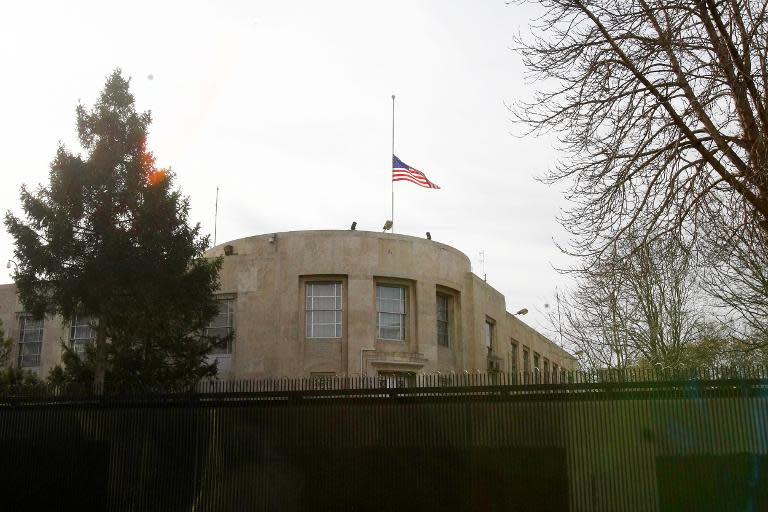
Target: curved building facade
<point>336,303</point>
<point>343,303</point>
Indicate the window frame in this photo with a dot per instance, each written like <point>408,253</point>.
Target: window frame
<point>396,379</point>
<point>322,380</point>
<point>309,325</point>
<point>405,316</point>
<point>489,334</point>
<point>23,330</point>
<point>230,327</point>
<point>78,344</point>
<point>513,348</point>
<point>526,359</point>
<point>448,299</point>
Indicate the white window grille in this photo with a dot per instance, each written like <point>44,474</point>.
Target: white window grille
<point>30,341</point>
<point>81,333</point>
<point>221,326</point>
<point>324,309</point>
<point>443,321</point>
<point>391,308</point>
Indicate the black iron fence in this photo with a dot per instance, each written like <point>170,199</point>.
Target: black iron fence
<point>634,441</point>
<point>401,380</point>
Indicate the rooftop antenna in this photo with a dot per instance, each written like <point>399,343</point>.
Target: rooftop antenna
<point>482,264</point>
<point>216,216</point>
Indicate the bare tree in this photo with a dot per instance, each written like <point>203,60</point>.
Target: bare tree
<point>662,284</point>
<point>737,278</point>
<point>637,305</point>
<point>661,108</point>
<point>591,319</point>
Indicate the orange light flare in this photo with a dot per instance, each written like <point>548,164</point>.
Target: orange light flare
<point>157,176</point>
<point>147,162</point>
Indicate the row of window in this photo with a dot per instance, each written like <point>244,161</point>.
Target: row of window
<point>324,309</point>
<point>537,359</point>
<point>323,315</point>
<point>81,333</point>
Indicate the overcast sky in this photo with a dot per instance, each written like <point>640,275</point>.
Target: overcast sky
<point>285,105</point>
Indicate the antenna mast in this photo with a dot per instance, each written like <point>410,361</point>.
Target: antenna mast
<point>216,216</point>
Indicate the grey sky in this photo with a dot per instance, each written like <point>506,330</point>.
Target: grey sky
<point>286,106</point>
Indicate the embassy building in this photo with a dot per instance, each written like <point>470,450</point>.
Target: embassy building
<point>335,303</point>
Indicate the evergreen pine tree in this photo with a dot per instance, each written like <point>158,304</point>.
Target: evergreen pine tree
<point>109,238</point>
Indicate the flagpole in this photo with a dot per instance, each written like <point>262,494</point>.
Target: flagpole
<point>216,216</point>
<point>392,182</point>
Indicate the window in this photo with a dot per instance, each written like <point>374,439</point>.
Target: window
<point>81,333</point>
<point>546,369</point>
<point>221,326</point>
<point>397,379</point>
<point>555,373</point>
<point>443,325</point>
<point>489,334</point>
<point>323,380</point>
<point>513,357</point>
<point>536,359</point>
<point>323,309</point>
<point>391,308</point>
<point>30,341</point>
<point>526,359</point>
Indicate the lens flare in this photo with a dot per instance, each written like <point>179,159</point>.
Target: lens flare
<point>156,177</point>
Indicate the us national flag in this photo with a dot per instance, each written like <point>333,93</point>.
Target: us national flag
<point>404,172</point>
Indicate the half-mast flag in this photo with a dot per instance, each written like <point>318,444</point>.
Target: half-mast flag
<point>404,172</point>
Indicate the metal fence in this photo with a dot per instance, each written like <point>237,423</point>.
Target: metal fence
<point>427,442</point>
<point>400,380</point>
